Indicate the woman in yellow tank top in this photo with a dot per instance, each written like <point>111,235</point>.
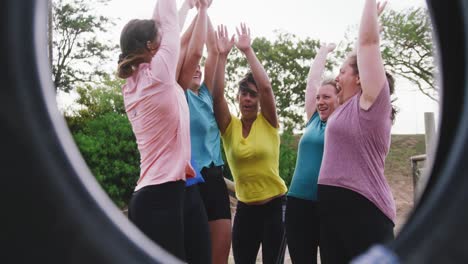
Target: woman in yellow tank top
<point>251,144</point>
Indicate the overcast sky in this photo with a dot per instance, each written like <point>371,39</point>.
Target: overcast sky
<point>326,20</point>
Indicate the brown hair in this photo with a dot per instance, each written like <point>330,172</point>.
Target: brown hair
<point>248,78</point>
<point>133,39</point>
<point>332,82</point>
<point>352,59</point>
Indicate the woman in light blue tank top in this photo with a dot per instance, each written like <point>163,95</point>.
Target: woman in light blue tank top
<point>205,143</point>
<point>302,222</point>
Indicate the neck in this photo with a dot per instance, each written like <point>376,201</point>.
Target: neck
<point>195,89</point>
<point>352,93</point>
<point>248,121</point>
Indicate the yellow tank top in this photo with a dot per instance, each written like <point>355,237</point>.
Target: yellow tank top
<point>254,161</point>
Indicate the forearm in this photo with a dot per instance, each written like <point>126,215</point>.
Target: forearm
<point>318,66</point>
<point>369,26</point>
<point>183,11</point>
<point>313,81</point>
<point>184,42</point>
<point>218,80</point>
<point>220,106</point>
<point>198,37</point>
<point>210,38</point>
<point>259,73</point>
<point>165,13</point>
<point>212,58</point>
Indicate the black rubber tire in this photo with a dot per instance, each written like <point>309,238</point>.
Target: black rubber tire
<point>53,211</point>
<point>437,230</point>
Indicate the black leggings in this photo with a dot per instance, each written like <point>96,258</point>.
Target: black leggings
<point>157,210</point>
<point>302,230</point>
<point>349,224</point>
<point>255,225</point>
<point>197,233</point>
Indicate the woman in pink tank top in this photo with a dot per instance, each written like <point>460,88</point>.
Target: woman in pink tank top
<point>157,110</point>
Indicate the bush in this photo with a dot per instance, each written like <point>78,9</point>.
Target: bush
<point>109,148</point>
<point>288,156</point>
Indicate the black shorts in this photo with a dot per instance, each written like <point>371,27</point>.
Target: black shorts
<point>214,193</point>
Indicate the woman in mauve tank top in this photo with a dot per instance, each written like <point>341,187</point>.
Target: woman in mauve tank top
<point>357,208</point>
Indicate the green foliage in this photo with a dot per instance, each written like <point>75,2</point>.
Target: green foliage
<point>94,101</point>
<point>109,148</point>
<point>286,60</point>
<point>288,156</point>
<point>77,49</point>
<point>105,138</point>
<point>408,48</point>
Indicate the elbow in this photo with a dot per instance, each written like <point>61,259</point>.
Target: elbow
<point>366,42</point>
<point>369,39</point>
<point>213,52</point>
<point>195,56</point>
<point>265,87</point>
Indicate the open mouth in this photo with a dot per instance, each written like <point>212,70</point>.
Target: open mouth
<point>248,107</point>
<point>322,110</point>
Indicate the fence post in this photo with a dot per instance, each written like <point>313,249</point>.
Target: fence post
<point>429,126</point>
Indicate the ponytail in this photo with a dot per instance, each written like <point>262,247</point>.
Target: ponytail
<point>128,64</point>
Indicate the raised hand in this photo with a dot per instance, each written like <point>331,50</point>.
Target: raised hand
<point>381,7</point>
<point>243,42</point>
<point>222,40</point>
<point>329,47</point>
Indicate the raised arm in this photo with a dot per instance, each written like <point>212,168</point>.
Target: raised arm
<point>369,58</point>
<point>165,15</point>
<point>315,77</point>
<point>183,11</point>
<point>265,91</point>
<point>220,106</point>
<point>184,42</point>
<point>195,46</point>
<point>212,58</point>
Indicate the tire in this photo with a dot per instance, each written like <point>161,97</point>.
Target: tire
<point>53,211</point>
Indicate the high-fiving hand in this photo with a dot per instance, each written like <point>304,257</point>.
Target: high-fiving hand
<point>243,42</point>
<point>223,41</point>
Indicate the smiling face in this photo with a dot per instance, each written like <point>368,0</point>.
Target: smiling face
<point>347,80</point>
<point>248,100</point>
<point>326,101</point>
<point>196,79</point>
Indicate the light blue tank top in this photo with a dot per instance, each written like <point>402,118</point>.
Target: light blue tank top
<point>309,159</point>
<point>204,131</point>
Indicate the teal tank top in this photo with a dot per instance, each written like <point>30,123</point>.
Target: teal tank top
<point>309,159</point>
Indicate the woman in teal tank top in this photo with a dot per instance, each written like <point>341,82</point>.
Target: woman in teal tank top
<point>210,188</point>
<point>302,219</point>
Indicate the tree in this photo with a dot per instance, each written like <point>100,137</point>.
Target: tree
<point>77,52</point>
<point>408,47</point>
<point>287,61</point>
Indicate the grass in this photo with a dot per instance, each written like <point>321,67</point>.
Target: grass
<point>401,149</point>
